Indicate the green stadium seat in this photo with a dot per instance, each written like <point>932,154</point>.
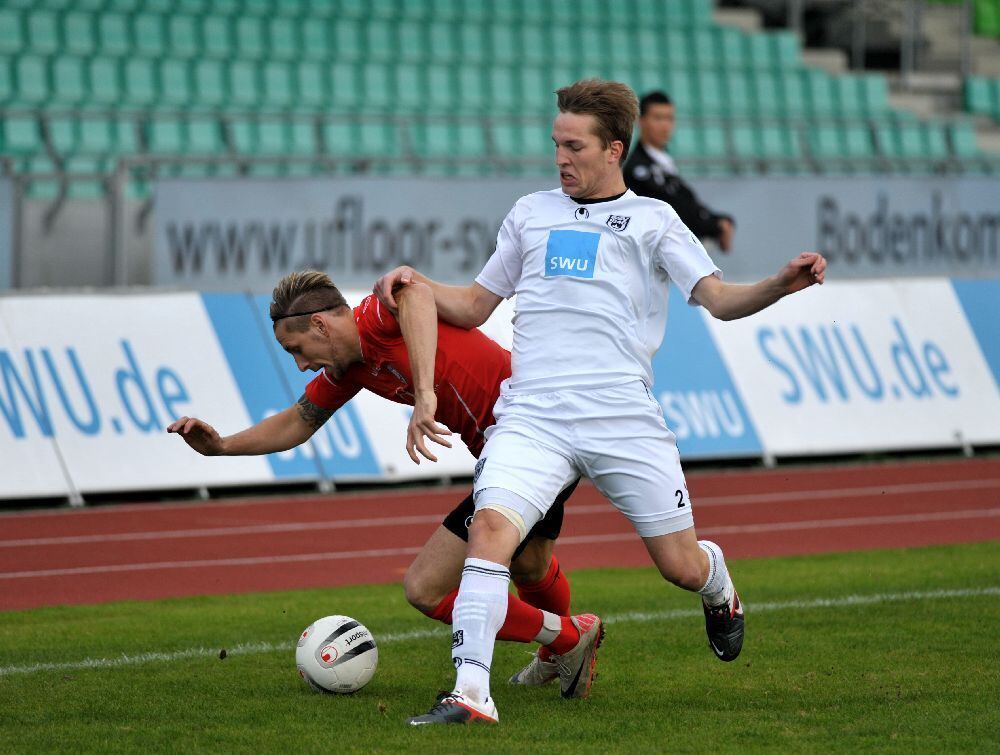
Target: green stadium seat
<point>184,33</point>
<point>911,140</point>
<point>685,143</point>
<point>738,93</point>
<point>676,50</point>
<point>535,93</point>
<point>217,37</point>
<point>339,137</point>
<point>963,140</point>
<point>302,138</point>
<point>411,38</point>
<point>471,89</point>
<point>283,38</point>
<point>681,90</point>
<point>978,95</point>
<point>195,7</point>
<point>646,46</point>
<point>440,89</point>
<point>348,40</point>
<point>858,142</point>
<point>105,81</point>
<point>746,143</point>
<point>250,40</point>
<point>345,85</point>
<point>20,136</point>
<point>503,90</point>
<point>69,85</point>
<point>767,93</point>
<point>62,135</point>
<point>849,97</point>
<point>472,43</point>
<point>203,136</point>
<point>785,49</point>
<point>11,32</point>
<point>7,86</point>
<point>114,38</point>
<point>536,140</point>
<point>124,6</point>
<point>149,34</point>
<point>316,43</point>
<point>875,90</point>
<point>379,140</point>
<point>442,42</point>
<point>376,8</point>
<point>408,82</point>
<point>379,40</point>
<point>711,95</point>
<point>295,8</point>
<point>732,49</point>
<point>936,141</point>
<point>95,136</point>
<point>534,46</point>
<point>244,84</point>
<point>166,136</point>
<point>819,88</point>
<point>758,51</point>
<point>310,84</point>
<point>377,86</point>
<point>140,82</point>
<point>243,135</point>
<point>32,80</point>
<point>826,143</point>
<point>78,31</point>
<point>259,7</point>
<point>703,47</point>
<point>503,44</point>
<point>793,95</point>
<point>43,32</point>
<point>273,138</point>
<point>278,85</point>
<point>505,138</point>
<point>210,83</point>
<point>713,141</point>
<point>175,83</point>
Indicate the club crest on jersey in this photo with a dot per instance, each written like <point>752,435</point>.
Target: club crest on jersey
<point>571,253</point>
<point>618,222</point>
<point>582,213</point>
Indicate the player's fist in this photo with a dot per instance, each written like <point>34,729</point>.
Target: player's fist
<point>803,271</point>
<point>390,282</point>
<point>201,436</point>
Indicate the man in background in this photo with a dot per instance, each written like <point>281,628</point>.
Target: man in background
<point>651,172</point>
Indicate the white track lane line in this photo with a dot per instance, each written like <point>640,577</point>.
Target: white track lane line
<point>814,524</point>
<point>571,510</point>
<point>142,659</point>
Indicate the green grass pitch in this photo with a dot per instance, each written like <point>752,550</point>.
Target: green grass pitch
<point>886,650</point>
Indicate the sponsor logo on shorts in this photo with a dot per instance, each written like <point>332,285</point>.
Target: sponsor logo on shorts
<point>571,253</point>
<point>618,222</point>
<point>457,638</point>
<point>457,661</point>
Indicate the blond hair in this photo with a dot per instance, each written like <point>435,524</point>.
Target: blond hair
<point>304,293</point>
<point>613,105</point>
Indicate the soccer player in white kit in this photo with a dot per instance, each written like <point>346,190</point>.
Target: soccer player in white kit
<point>590,264</point>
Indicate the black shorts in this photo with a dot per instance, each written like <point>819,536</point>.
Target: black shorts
<point>458,521</point>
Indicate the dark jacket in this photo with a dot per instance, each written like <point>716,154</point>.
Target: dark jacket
<point>648,178</point>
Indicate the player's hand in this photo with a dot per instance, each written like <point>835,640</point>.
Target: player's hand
<point>803,271</point>
<point>201,436</point>
<point>391,282</point>
<point>422,425</point>
<point>725,235</point>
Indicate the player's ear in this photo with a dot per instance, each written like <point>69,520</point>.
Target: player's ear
<point>616,148</point>
<point>319,323</point>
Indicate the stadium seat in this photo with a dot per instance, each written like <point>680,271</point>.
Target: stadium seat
<point>140,82</point>
<point>819,88</point>
<point>472,44</point>
<point>849,97</point>
<point>32,80</point>
<point>43,32</point>
<point>210,83</point>
<point>105,82</point>
<point>978,95</point>
<point>184,34</point>
<point>113,35</point>
<point>283,39</point>
<point>344,80</point>
<point>244,84</point>
<point>963,140</point>
<point>310,84</point>
<point>11,32</point>
<point>175,83</point>
<point>69,85</point>
<point>21,136</point>
<point>379,41</point>
<point>7,86</point>
<point>149,35</point>
<point>278,90</point>
<point>78,31</point>
<point>217,37</point>
<point>316,44</point>
<point>251,43</point>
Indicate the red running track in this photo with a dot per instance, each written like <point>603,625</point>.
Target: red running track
<point>146,551</point>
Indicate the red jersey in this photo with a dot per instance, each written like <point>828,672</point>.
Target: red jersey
<point>468,369</point>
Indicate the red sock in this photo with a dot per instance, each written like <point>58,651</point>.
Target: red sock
<point>443,610</point>
<point>550,594</point>
<point>565,642</point>
<point>522,623</point>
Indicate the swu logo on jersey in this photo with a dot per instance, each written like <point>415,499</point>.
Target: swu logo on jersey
<point>572,253</point>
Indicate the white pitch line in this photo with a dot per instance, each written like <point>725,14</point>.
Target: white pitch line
<point>250,648</point>
<point>746,529</point>
<point>571,510</point>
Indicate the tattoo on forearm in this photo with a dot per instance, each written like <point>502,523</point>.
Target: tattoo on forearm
<point>312,415</point>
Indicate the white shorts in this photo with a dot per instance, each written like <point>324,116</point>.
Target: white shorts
<point>614,436</point>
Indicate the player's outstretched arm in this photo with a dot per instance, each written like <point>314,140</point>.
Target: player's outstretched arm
<point>463,306</point>
<point>729,301</point>
<point>280,432</point>
<point>418,322</point>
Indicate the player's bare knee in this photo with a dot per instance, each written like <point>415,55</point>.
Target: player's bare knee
<point>419,591</point>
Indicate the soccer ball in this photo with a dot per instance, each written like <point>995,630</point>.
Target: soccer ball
<point>336,654</point>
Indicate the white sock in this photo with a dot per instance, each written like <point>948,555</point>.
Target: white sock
<point>718,588</point>
<point>480,609</point>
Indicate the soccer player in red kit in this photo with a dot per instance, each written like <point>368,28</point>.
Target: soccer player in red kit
<point>440,370</point>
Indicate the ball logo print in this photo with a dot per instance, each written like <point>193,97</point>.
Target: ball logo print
<point>582,213</point>
<point>336,654</point>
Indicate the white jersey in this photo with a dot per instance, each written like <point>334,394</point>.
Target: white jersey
<point>591,282</point>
